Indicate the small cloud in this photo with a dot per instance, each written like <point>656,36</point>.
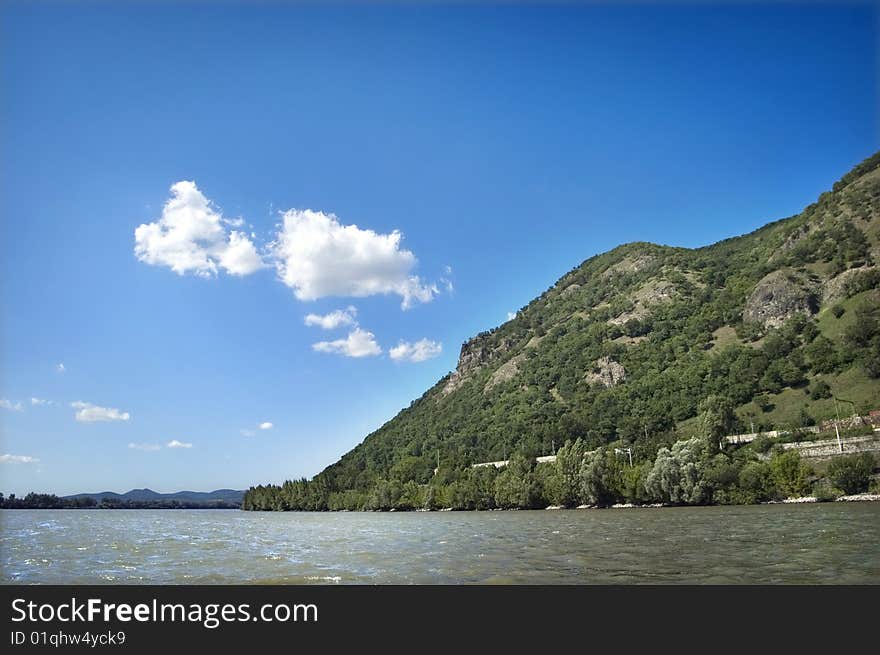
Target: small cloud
<point>18,459</point>
<point>247,433</point>
<point>511,316</point>
<point>419,351</point>
<point>89,413</point>
<point>174,443</point>
<point>334,319</point>
<point>266,425</point>
<point>359,343</point>
<point>148,447</point>
<point>191,237</point>
<point>40,402</point>
<point>445,281</point>
<point>60,367</point>
<point>8,404</point>
<point>317,256</point>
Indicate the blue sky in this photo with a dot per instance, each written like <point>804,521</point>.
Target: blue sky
<point>481,152</point>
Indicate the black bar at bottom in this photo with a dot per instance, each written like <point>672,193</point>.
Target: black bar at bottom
<point>466,619</point>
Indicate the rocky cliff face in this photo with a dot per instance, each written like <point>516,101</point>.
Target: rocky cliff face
<point>780,295</point>
<point>475,354</point>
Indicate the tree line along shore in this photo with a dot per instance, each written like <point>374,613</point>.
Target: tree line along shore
<point>695,471</point>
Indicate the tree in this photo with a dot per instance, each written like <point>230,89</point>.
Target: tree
<point>569,459</point>
<point>851,473</point>
<point>821,355</point>
<point>755,482</point>
<point>517,486</point>
<point>716,420</point>
<point>820,389</point>
<point>677,473</point>
<point>790,474</point>
<point>601,478</point>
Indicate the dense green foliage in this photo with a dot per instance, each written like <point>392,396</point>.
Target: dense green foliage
<point>687,473</point>
<point>647,348</point>
<point>851,474</point>
<point>51,501</point>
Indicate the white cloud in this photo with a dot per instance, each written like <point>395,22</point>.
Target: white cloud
<point>174,443</point>
<point>511,316</point>
<point>17,459</point>
<point>359,343</point>
<point>149,447</point>
<point>317,256</point>
<point>247,433</point>
<point>39,402</point>
<point>266,425</point>
<point>89,413</point>
<point>8,404</point>
<point>60,367</point>
<point>190,237</point>
<point>334,319</point>
<point>419,351</point>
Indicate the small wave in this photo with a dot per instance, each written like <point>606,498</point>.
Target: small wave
<point>324,578</point>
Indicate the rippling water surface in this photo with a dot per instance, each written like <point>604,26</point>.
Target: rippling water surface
<point>827,543</point>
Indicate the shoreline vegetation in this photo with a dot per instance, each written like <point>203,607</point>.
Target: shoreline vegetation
<point>695,471</point>
<point>51,501</point>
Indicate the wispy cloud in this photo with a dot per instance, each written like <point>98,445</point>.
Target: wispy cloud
<point>174,443</point>
<point>60,367</point>
<point>358,343</point>
<point>18,459</point>
<point>8,404</point>
<point>147,447</point>
<point>419,351</point>
<point>247,433</point>
<point>332,320</point>
<point>89,413</point>
<point>266,425</point>
<point>40,402</point>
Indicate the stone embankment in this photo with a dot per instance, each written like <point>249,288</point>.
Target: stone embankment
<point>853,498</point>
<point>830,447</point>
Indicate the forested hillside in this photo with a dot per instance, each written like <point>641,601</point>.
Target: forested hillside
<point>645,347</point>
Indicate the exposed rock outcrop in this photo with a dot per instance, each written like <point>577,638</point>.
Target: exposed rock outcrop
<point>836,288</point>
<point>778,296</point>
<point>630,264</point>
<point>475,354</point>
<point>654,292</point>
<point>507,371</point>
<point>607,372</point>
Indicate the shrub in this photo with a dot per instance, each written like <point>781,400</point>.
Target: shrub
<point>820,389</point>
<point>824,492</point>
<point>755,483</point>
<point>851,473</point>
<point>790,475</point>
<point>838,311</point>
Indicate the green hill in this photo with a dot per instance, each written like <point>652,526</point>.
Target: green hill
<point>633,348</point>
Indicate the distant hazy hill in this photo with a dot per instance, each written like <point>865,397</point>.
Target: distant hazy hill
<point>225,495</point>
<point>626,347</point>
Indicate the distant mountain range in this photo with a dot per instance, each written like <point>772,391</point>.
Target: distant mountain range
<point>148,495</point>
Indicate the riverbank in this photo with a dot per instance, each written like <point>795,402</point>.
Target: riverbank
<point>852,498</point>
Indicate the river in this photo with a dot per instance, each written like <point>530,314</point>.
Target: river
<point>821,543</point>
